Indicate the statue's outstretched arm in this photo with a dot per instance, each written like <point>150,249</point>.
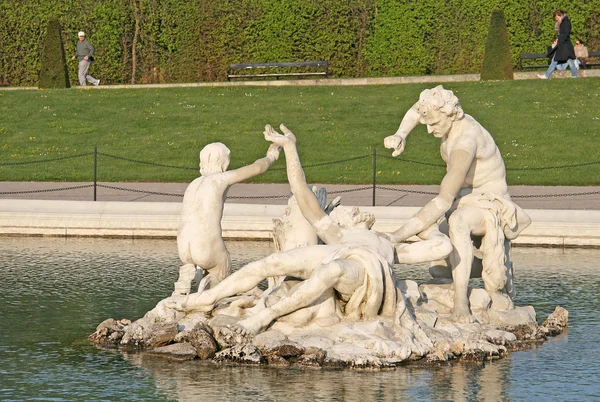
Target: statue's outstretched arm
<point>307,201</point>
<point>397,141</point>
<point>260,166</point>
<point>434,245</point>
<point>459,163</point>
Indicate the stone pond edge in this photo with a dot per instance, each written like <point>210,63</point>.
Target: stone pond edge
<point>550,228</point>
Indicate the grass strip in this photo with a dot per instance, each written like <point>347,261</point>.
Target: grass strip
<point>538,125</point>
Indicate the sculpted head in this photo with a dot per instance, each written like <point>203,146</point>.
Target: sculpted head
<point>439,108</point>
<point>214,158</point>
<point>351,218</point>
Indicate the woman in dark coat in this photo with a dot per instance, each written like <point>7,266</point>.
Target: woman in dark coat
<point>564,51</point>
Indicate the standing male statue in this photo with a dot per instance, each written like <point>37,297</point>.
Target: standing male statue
<point>473,196</point>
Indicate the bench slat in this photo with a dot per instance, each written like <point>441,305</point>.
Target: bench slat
<point>277,66</point>
<point>533,56</point>
<point>272,75</point>
<point>543,55</point>
<point>526,56</point>
<point>281,65</point>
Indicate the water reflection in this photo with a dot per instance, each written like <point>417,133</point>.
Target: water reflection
<point>55,292</point>
<point>196,381</point>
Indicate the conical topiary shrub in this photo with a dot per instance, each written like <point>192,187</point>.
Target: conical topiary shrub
<point>497,63</point>
<point>53,71</point>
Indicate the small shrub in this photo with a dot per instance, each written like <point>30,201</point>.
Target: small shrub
<point>53,71</point>
<point>497,63</point>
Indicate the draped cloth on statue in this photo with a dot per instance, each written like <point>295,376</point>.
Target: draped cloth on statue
<point>377,295</point>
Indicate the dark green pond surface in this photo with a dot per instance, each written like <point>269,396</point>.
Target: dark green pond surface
<point>54,292</point>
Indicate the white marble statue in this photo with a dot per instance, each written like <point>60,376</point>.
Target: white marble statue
<point>354,265</point>
<point>199,239</point>
<point>473,196</point>
<point>339,304</point>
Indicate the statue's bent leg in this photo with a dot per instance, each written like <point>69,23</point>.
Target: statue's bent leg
<point>300,263</point>
<point>335,274</point>
<point>462,223</point>
<point>213,258</point>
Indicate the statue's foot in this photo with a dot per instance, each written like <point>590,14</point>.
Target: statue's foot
<point>462,315</point>
<point>241,330</point>
<point>233,334</point>
<point>254,324</point>
<point>278,139</point>
<point>193,302</point>
<point>177,302</point>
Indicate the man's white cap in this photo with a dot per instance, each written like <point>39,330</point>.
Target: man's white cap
<point>81,33</point>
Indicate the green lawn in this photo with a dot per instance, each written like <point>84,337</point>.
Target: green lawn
<point>535,124</point>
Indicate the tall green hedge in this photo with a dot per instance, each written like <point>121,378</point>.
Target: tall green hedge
<point>186,41</point>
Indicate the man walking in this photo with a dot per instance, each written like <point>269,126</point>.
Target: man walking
<point>85,55</point>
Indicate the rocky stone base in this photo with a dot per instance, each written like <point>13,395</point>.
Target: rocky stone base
<point>425,333</point>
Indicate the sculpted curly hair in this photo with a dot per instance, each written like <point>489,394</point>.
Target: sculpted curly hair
<point>351,217</point>
<point>440,99</point>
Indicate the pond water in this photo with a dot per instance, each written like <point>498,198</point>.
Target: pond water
<point>54,292</point>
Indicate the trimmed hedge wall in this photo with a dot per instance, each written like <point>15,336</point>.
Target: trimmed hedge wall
<point>187,41</point>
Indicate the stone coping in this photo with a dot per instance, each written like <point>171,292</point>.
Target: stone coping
<point>552,228</point>
<point>518,75</point>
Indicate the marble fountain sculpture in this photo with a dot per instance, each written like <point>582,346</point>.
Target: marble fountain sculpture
<point>332,297</point>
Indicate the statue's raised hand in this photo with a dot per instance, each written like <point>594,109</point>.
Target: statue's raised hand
<point>278,139</point>
<point>396,143</point>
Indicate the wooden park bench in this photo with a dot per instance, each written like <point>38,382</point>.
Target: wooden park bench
<point>286,69</point>
<point>533,56</point>
<point>593,60</point>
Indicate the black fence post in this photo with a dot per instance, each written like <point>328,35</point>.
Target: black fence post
<point>95,170</point>
<point>374,173</point>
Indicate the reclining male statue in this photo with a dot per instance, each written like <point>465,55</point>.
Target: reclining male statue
<point>355,262</point>
<point>473,195</point>
<point>199,240</point>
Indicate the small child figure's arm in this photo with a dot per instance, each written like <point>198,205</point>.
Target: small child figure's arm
<point>260,166</point>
